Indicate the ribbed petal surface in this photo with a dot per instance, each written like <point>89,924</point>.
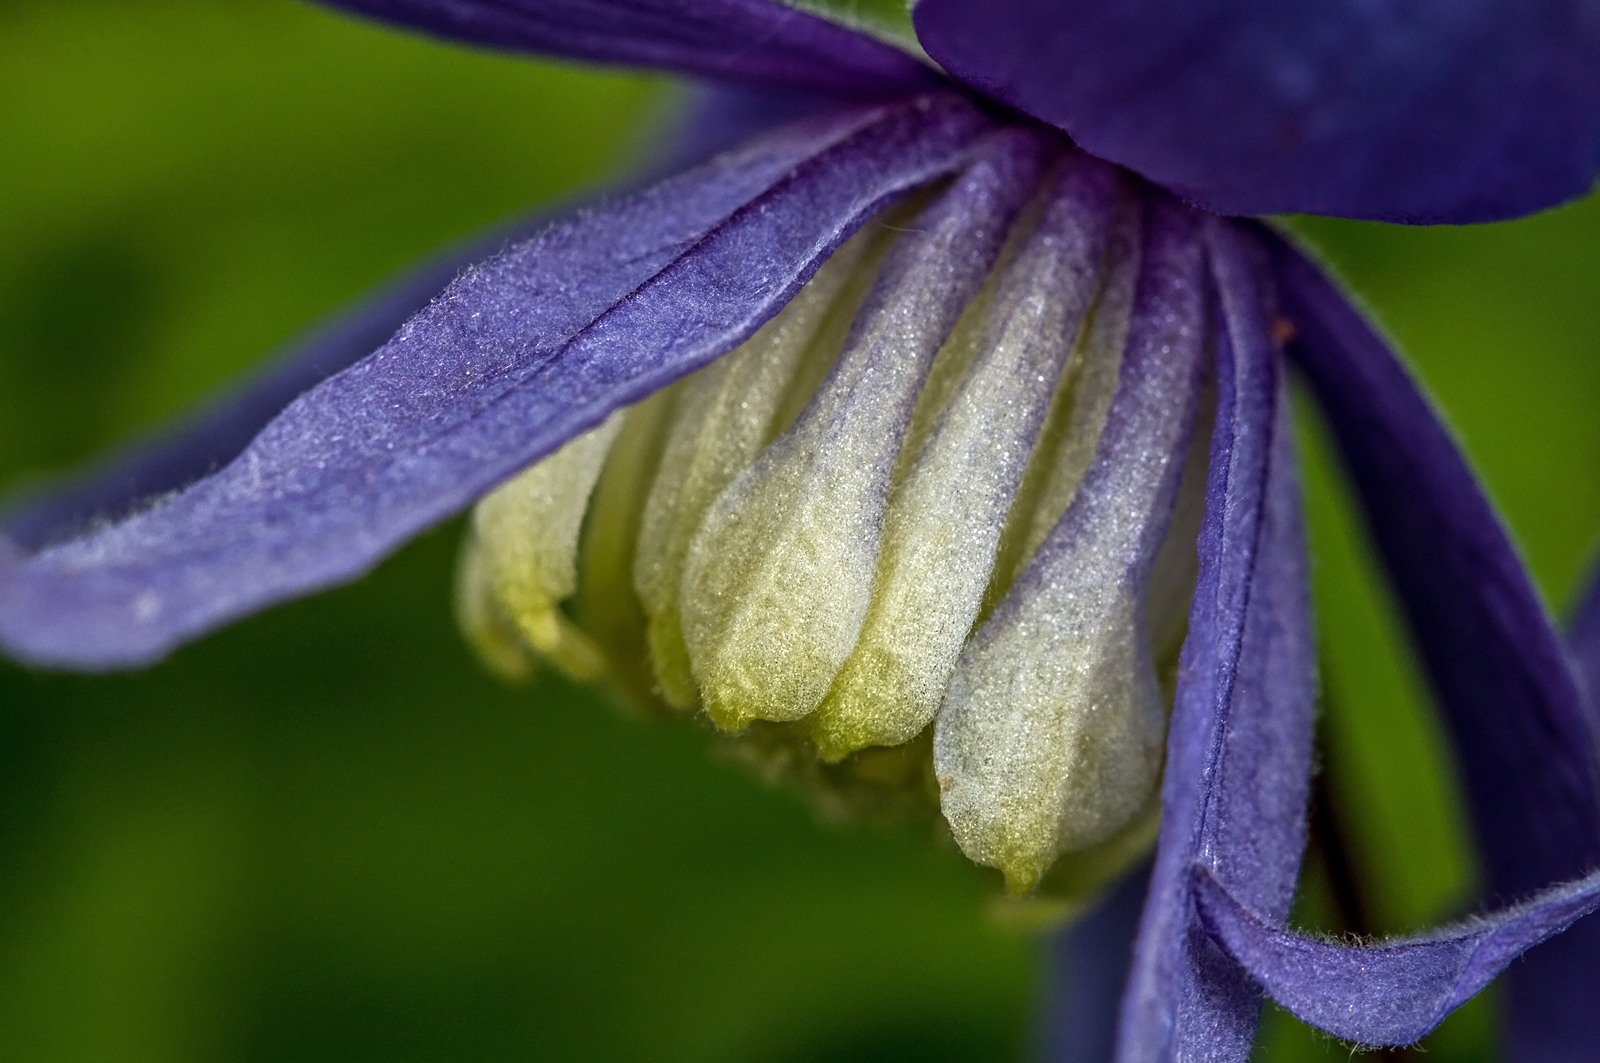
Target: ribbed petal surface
<point>754,41</point>
<point>515,358</point>
<point>1501,672</point>
<point>1239,744</point>
<point>1425,111</point>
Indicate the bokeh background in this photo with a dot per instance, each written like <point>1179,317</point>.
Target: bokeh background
<point>325,834</point>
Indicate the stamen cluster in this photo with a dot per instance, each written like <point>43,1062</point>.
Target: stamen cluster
<point>921,522</point>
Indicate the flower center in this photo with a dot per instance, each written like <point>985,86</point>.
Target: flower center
<point>906,542</point>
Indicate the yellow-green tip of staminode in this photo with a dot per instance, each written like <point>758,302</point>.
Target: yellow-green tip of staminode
<point>879,698</point>
<point>833,543</point>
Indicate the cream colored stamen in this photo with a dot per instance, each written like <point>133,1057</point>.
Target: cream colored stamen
<point>1051,735</point>
<point>943,523</point>
<point>726,416</point>
<point>527,529</point>
<point>779,575</point>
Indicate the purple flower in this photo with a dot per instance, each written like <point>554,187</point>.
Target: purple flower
<point>930,387</point>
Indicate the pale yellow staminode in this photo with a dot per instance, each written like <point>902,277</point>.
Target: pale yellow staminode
<point>478,614</point>
<point>943,522</point>
<point>725,416</point>
<point>1051,735</point>
<point>606,606</point>
<point>1078,415</point>
<point>955,360</point>
<point>802,536</point>
<point>779,575</point>
<point>527,529</point>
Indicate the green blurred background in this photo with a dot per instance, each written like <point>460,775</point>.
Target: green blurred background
<point>325,834</point>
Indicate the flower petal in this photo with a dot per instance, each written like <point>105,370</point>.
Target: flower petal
<point>1496,661</point>
<point>1393,992</point>
<point>515,358</point>
<point>1426,111</point>
<point>752,41</point>
<point>1239,744</point>
<point>1500,671</point>
<point>712,120</point>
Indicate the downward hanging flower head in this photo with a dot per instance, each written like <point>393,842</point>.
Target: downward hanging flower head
<point>880,436</point>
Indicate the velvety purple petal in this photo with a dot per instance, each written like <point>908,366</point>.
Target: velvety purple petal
<point>1501,673</point>
<point>1239,748</point>
<point>712,120</point>
<point>753,41</point>
<point>1089,961</point>
<point>1500,669</point>
<point>1393,992</point>
<point>1424,111</point>
<point>517,356</point>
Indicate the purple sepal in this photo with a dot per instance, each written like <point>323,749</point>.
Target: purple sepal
<point>1501,671</point>
<point>517,356</point>
<point>758,42</point>
<point>1239,747</point>
<point>1394,992</point>
<point>1502,674</point>
<point>1426,111</point>
<point>714,119</point>
<point>1089,963</point>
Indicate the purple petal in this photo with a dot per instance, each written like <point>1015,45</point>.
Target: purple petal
<point>1239,748</point>
<point>1500,671</point>
<point>517,356</point>
<point>1394,992</point>
<point>1495,659</point>
<point>1090,960</point>
<point>715,119</point>
<point>752,41</point>
<point>1425,111</point>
